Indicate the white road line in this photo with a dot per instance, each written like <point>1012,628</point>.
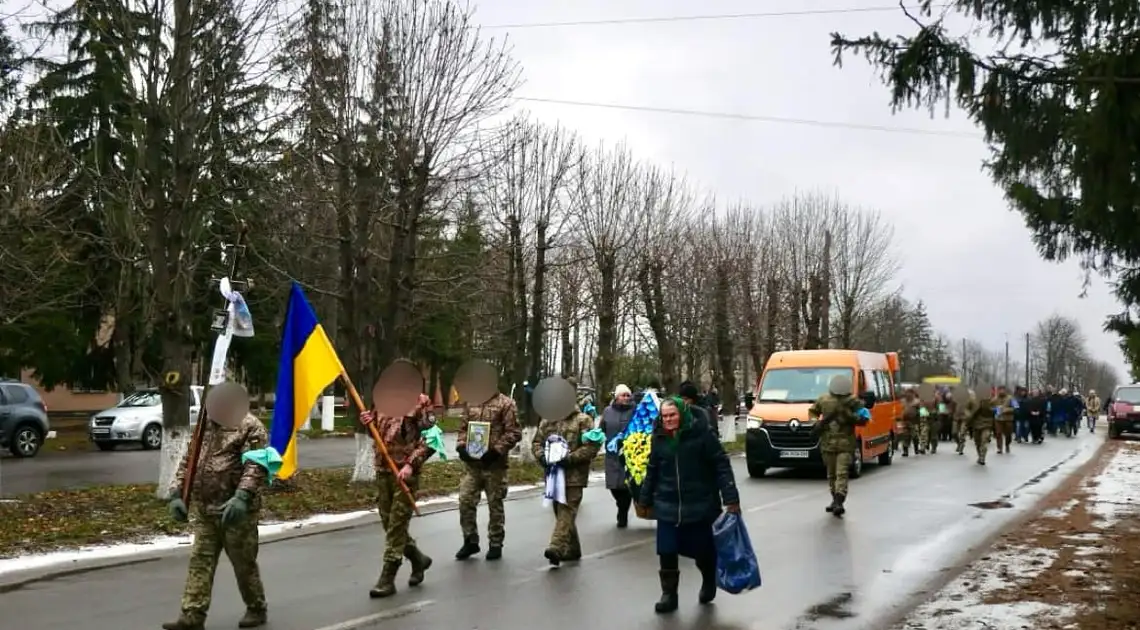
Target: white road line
<point>779,502</point>
<point>369,620</point>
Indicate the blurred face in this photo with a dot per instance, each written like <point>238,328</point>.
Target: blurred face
<point>670,417</point>
<point>1001,391</point>
<point>624,398</point>
<point>910,394</point>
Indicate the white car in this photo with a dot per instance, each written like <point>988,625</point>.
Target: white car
<point>136,420</point>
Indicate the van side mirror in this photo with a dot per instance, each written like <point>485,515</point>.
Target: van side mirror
<point>869,399</point>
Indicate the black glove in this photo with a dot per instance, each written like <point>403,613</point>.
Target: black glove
<point>490,456</point>
<point>462,451</point>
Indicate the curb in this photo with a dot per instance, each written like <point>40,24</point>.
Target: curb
<point>19,579</point>
<point>978,549</point>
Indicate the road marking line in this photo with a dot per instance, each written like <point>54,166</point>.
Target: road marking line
<point>779,502</point>
<point>369,620</point>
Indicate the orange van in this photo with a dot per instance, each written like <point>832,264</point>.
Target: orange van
<point>779,431</point>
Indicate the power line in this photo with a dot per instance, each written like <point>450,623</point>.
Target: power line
<point>756,118</point>
<point>711,17</point>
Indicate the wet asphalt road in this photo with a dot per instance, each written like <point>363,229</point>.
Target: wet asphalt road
<point>907,525</point>
<point>118,467</point>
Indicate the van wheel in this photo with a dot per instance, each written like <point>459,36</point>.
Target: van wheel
<point>856,462</point>
<point>756,471</point>
<point>888,455</point>
<point>26,441</point>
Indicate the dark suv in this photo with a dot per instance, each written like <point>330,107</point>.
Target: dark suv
<point>23,418</point>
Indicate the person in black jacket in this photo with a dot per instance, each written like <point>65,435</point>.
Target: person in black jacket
<point>699,406</point>
<point>687,481</point>
<point>1037,410</point>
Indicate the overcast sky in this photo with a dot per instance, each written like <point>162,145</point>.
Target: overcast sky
<point>964,252</point>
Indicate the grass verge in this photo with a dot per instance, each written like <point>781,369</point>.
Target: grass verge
<point>63,519</point>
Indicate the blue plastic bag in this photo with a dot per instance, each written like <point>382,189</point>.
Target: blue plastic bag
<point>736,567</point>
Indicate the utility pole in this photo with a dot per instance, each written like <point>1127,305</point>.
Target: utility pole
<point>964,379</point>
<point>1006,381</point>
<point>1027,359</point>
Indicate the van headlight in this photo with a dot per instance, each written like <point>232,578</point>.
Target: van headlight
<point>754,423</point>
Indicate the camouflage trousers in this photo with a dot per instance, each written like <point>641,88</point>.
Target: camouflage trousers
<point>564,539</point>
<point>911,437</point>
<point>1003,431</point>
<point>211,538</point>
<point>476,482</point>
<point>961,432</point>
<point>982,441</point>
<point>838,464</point>
<point>396,513</point>
<point>931,427</point>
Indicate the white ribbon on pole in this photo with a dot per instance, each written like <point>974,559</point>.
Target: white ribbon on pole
<point>239,323</point>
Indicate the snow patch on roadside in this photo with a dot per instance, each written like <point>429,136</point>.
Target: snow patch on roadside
<point>1115,491</point>
<point>166,543</point>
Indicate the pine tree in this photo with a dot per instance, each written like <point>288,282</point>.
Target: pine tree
<point>1060,107</point>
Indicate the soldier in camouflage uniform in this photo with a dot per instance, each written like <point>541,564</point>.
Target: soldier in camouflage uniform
<point>961,426</point>
<point>223,511</point>
<point>911,421</point>
<point>1003,424</point>
<point>487,474</point>
<point>980,416</point>
<point>836,414</point>
<point>407,447</point>
<point>564,542</point>
<point>933,422</point>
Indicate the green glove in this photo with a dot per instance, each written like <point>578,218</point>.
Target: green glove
<point>236,509</point>
<point>177,509</point>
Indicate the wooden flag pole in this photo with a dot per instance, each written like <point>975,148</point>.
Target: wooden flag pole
<point>359,402</point>
<point>194,450</point>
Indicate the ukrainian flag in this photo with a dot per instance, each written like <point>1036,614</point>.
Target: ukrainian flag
<point>307,366</point>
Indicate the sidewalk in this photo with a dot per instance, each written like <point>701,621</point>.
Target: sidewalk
<point>1075,565</point>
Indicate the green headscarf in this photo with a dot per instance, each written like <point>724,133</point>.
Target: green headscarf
<point>686,420</point>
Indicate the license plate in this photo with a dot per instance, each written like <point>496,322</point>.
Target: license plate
<point>794,454</point>
<point>101,431</point>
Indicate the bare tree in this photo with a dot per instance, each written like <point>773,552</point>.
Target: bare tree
<point>609,213</point>
<point>863,266</point>
<point>1057,343</point>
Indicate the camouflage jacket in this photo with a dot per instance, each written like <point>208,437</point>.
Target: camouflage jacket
<point>837,417</point>
<point>951,408</point>
<point>220,472</point>
<point>503,415</point>
<point>1005,401</point>
<point>406,444</point>
<point>910,411</point>
<point>572,428</point>
<point>980,413</point>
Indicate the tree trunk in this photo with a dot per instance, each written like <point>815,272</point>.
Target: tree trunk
<point>650,277</point>
<point>607,324</point>
<point>538,306</point>
<point>772,315</point>
<point>725,352</point>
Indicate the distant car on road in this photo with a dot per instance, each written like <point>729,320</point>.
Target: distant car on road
<point>23,418</point>
<point>1124,411</point>
<point>136,420</point>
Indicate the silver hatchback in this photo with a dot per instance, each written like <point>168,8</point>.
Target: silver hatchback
<point>135,420</point>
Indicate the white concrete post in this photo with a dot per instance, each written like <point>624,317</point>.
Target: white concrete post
<point>328,413</point>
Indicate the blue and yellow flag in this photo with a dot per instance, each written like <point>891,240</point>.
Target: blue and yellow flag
<point>307,366</point>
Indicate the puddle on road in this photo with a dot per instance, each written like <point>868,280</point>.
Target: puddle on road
<point>992,505</point>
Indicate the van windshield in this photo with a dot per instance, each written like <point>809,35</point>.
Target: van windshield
<point>798,385</point>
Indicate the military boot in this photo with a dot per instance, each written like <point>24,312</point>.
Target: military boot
<point>184,624</point>
<point>386,585</point>
<point>470,547</point>
<point>670,582</point>
<point>253,619</point>
<point>831,507</point>
<point>553,556</point>
<point>494,552</point>
<point>420,562</point>
<point>839,509</point>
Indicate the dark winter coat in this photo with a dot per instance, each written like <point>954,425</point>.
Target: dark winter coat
<point>614,420</point>
<point>690,481</point>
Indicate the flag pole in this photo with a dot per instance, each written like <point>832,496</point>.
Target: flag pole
<point>359,402</point>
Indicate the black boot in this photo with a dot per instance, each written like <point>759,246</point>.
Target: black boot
<point>708,582</point>
<point>494,552</point>
<point>623,519</point>
<point>470,547</point>
<point>253,619</point>
<point>831,507</point>
<point>839,509</point>
<point>670,581</point>
<point>184,624</point>
<point>420,562</point>
<point>386,585</point>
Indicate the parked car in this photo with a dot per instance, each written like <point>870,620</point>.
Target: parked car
<point>1124,410</point>
<point>23,418</point>
<point>136,420</point>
